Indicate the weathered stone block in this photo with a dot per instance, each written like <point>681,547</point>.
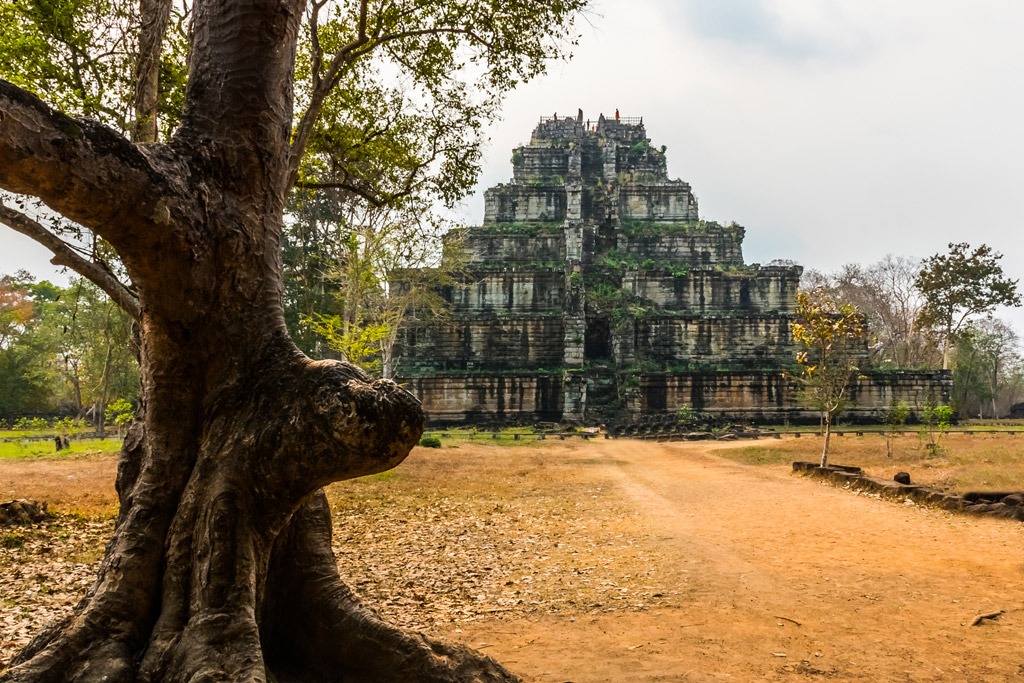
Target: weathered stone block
<point>746,290</point>
<point>489,398</point>
<point>474,344</point>
<point>520,203</point>
<point>662,201</point>
<point>510,291</point>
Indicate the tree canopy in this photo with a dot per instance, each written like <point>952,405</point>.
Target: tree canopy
<point>962,284</point>
<point>390,98</point>
<point>172,199</point>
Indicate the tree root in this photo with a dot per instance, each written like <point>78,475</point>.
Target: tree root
<point>321,631</point>
<point>311,629</point>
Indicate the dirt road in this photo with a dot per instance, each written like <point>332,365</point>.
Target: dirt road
<point>781,578</point>
<point>618,561</point>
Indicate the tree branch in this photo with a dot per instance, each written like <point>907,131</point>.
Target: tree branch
<point>65,255</point>
<point>343,58</point>
<point>373,198</point>
<point>314,39</point>
<point>450,30</point>
<point>155,16</point>
<point>82,169</point>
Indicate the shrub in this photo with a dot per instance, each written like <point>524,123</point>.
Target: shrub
<point>936,419</point>
<point>430,441</point>
<point>32,423</point>
<point>119,412</point>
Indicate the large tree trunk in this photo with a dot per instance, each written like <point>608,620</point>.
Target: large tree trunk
<point>220,568</point>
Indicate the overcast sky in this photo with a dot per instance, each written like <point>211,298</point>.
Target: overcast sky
<point>833,130</point>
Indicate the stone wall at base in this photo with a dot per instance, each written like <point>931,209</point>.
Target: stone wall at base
<point>771,397</point>
<point>765,397</point>
<point>495,398</point>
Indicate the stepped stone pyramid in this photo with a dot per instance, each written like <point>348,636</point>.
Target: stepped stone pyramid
<point>594,292</point>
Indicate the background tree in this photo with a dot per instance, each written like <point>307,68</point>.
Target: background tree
<point>887,295</point>
<point>961,285</point>
<point>16,307</point>
<point>63,349</point>
<point>221,565</point>
<point>383,155</point>
<point>89,341</point>
<point>832,334</point>
<point>387,262</point>
<point>25,380</point>
<point>987,369</point>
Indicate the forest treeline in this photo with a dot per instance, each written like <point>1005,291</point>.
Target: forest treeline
<point>67,351</point>
<point>935,313</point>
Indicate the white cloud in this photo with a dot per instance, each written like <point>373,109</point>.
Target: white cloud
<point>835,130</point>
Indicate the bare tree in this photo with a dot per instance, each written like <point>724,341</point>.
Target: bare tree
<point>886,294</point>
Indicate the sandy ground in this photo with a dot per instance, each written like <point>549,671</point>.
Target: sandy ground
<point>642,562</point>
<point>783,578</point>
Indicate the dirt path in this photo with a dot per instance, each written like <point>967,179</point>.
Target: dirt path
<point>783,577</point>
<point>617,561</point>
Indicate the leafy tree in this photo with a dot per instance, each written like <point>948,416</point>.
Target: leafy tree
<point>832,335</point>
<point>25,385</point>
<point>961,285</point>
<point>894,419</point>
<point>16,309</point>
<point>62,348</point>
<point>221,565</point>
<point>119,413</point>
<point>88,341</point>
<point>387,263</point>
<point>986,369</point>
<point>85,55</point>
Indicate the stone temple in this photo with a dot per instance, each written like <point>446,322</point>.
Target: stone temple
<point>594,292</point>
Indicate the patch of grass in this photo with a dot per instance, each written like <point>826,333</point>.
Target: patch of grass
<point>99,513</point>
<point>25,448</point>
<point>969,462</point>
<point>759,455</point>
<point>507,436</point>
<point>12,540</point>
<point>48,431</point>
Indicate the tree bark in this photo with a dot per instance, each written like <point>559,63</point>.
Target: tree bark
<point>220,568</point>
<point>827,422</point>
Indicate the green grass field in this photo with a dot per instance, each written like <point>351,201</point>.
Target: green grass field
<point>26,448</point>
<point>508,436</point>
